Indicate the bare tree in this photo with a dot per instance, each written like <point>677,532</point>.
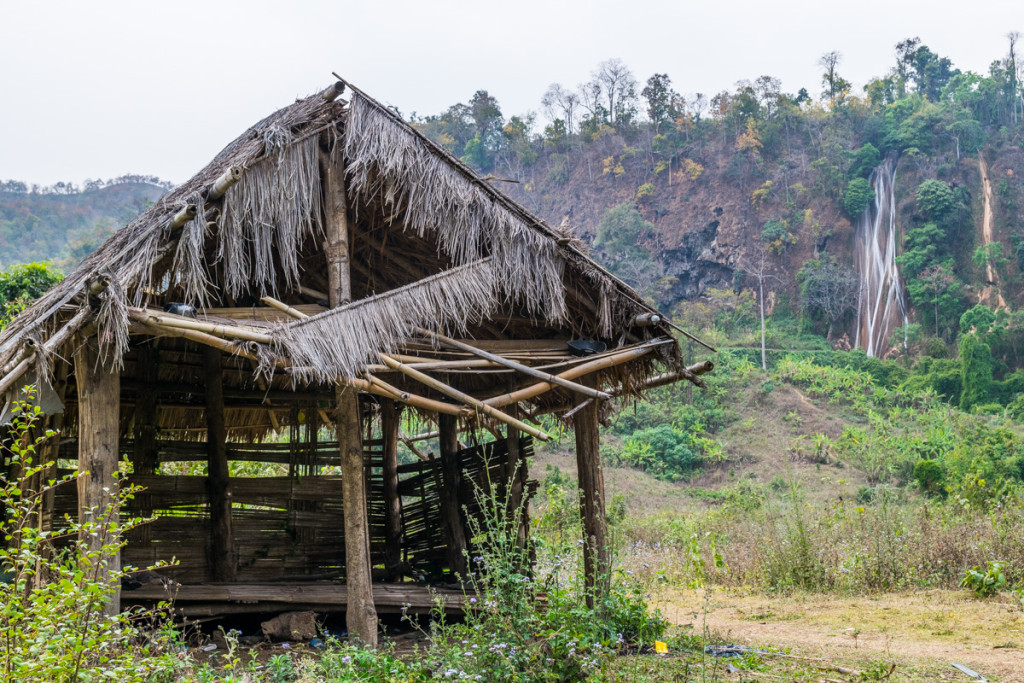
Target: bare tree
<point>618,84</point>
<point>757,267</point>
<point>590,96</point>
<point>830,289</point>
<point>559,100</point>
<point>1012,73</point>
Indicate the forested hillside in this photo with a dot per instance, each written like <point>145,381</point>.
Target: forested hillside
<point>699,199</point>
<point>63,222</point>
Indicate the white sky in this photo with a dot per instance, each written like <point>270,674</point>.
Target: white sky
<point>102,88</point>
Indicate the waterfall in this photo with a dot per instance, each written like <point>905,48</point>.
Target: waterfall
<point>881,306</point>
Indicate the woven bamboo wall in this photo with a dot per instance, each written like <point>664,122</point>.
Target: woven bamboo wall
<point>289,527</point>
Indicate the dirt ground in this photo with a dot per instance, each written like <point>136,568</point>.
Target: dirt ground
<point>923,633</point>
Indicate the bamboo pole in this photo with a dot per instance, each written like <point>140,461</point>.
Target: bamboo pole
<point>283,307</point>
<point>535,390</point>
<point>646,319</point>
<point>471,401</point>
<point>525,369</point>
<point>16,368</point>
<point>184,216</point>
<point>412,447</point>
<point>223,183</point>
<point>333,91</point>
<point>414,400</point>
<point>223,331</point>
<point>15,374</point>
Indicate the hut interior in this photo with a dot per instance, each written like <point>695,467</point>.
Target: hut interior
<point>313,352</point>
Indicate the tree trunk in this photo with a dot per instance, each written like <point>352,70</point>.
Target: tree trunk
<point>99,407</point>
<point>592,510</point>
<point>361,615</point>
<point>223,567</point>
<point>760,280</point>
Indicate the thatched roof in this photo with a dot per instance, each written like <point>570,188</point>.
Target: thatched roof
<point>434,246</point>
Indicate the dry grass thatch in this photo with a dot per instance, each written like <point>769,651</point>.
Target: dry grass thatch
<point>262,235</point>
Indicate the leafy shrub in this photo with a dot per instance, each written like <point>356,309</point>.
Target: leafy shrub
<point>929,476</point>
<point>667,452</point>
<point>985,582</point>
<point>859,195</point>
<point>22,284</point>
<point>52,621</point>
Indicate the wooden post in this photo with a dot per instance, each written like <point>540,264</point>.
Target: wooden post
<point>592,510</point>
<point>145,458</point>
<point>223,567</point>
<point>361,614</point>
<point>99,408</point>
<point>390,413</point>
<point>144,455</point>
<point>451,477</point>
<point>515,478</point>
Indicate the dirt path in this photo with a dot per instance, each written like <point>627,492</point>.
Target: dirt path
<point>990,294</point>
<point>923,632</point>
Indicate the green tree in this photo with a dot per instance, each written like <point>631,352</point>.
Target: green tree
<point>836,87</point>
<point>661,100</point>
<point>865,160</point>
<point>976,369</point>
<point>858,197</point>
<point>935,199</point>
<point>22,284</point>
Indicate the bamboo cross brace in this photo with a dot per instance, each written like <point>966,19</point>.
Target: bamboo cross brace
<point>525,369</point>
<point>475,403</point>
<point>213,329</point>
<point>282,363</point>
<point>15,369</point>
<point>16,373</point>
<point>535,390</point>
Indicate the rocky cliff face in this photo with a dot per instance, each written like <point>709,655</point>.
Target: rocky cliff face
<point>715,208</point>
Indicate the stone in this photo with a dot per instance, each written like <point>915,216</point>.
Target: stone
<point>291,626</point>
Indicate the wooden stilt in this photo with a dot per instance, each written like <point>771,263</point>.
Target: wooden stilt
<point>145,458</point>
<point>222,564</point>
<point>450,500</point>
<point>592,510</point>
<point>516,475</point>
<point>361,615</point>
<point>390,414</point>
<point>99,405</point>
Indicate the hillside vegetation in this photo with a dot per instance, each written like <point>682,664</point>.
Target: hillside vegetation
<point>64,223</point>
<point>687,195</point>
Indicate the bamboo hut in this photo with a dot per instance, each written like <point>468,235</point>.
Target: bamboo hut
<point>328,270</point>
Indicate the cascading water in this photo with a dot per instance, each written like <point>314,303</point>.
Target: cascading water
<point>881,306</point>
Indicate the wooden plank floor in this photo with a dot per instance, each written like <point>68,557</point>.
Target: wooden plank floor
<point>211,599</point>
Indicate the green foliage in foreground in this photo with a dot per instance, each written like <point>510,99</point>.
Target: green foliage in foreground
<point>52,625</point>
<point>22,284</point>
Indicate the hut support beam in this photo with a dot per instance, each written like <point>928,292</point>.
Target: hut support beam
<point>592,510</point>
<point>361,615</point>
<point>451,477</point>
<point>223,568</point>
<point>391,411</point>
<point>99,394</point>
